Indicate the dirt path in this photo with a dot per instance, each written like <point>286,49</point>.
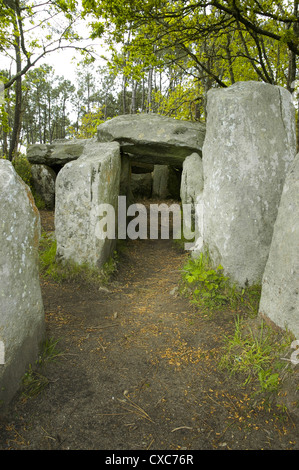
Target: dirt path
<point>139,370</point>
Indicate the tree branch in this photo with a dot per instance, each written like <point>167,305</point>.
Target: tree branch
<point>236,13</point>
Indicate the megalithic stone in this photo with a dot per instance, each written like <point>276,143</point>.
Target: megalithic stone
<point>82,186</point>
<point>280,287</point>
<point>22,325</point>
<point>250,143</point>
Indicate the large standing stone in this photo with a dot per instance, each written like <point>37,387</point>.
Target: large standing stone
<point>280,286</point>
<point>44,183</point>
<point>81,186</point>
<point>154,138</point>
<point>249,145</point>
<point>21,306</point>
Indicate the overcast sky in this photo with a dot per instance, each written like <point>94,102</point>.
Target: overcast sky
<point>61,60</point>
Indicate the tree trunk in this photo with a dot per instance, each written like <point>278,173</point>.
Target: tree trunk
<point>49,117</point>
<point>18,104</point>
<point>124,95</point>
<point>143,96</point>
<point>149,90</point>
<point>14,142</point>
<point>292,56</point>
<point>229,59</point>
<point>133,104</point>
<point>292,72</point>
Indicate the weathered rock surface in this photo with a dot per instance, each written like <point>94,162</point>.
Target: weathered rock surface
<point>154,138</point>
<point>125,180</point>
<point>141,184</point>
<point>249,146</point>
<point>58,153</point>
<point>140,167</point>
<point>160,181</point>
<point>191,189</point>
<point>166,182</point>
<point>192,179</point>
<point>21,307</point>
<point>81,186</point>
<point>280,286</point>
<point>44,183</point>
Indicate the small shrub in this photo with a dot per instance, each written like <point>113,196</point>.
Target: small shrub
<point>209,286</point>
<point>39,201</point>
<point>23,168</point>
<point>211,289</point>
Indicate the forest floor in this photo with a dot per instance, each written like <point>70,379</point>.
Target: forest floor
<point>139,369</point>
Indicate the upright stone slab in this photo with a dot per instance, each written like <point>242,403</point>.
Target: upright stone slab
<point>81,186</point>
<point>21,307</point>
<point>192,179</point>
<point>141,185</point>
<point>44,184</point>
<point>191,193</point>
<point>160,181</point>
<point>280,286</point>
<point>249,145</point>
<point>166,182</point>
<point>125,180</point>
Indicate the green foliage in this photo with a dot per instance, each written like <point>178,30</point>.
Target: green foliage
<point>163,58</point>
<point>89,124</point>
<point>180,102</point>
<point>39,201</point>
<point>4,120</point>
<point>23,168</point>
<point>211,290</point>
<point>256,355</point>
<point>209,286</point>
<point>195,46</point>
<point>49,351</point>
<point>61,272</point>
<point>33,383</point>
<point>45,99</point>
<point>47,257</point>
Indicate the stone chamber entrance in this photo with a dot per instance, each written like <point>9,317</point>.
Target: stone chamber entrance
<point>134,365</point>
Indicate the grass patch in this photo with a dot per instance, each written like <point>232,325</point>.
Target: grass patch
<point>69,271</point>
<point>209,289</point>
<point>34,382</point>
<point>255,353</point>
